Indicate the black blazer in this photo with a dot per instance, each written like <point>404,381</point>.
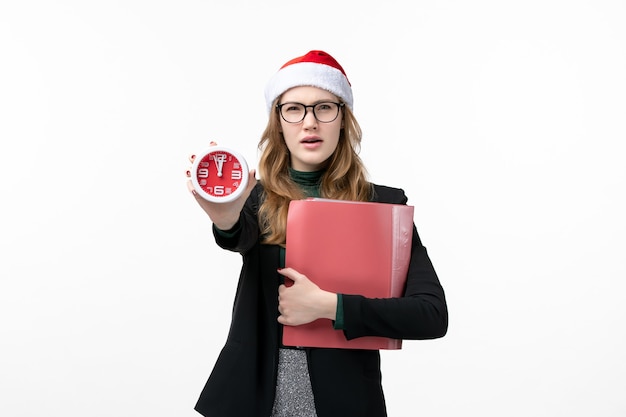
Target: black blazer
<point>344,382</point>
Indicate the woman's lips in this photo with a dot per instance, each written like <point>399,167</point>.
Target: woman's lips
<point>311,142</point>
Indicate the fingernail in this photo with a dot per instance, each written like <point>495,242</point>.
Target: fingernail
<point>188,173</point>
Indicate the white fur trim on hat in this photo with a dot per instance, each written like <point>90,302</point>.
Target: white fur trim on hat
<point>309,74</point>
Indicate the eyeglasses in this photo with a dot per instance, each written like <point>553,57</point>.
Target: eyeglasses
<point>324,112</point>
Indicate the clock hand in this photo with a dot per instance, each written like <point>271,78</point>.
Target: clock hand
<point>219,161</point>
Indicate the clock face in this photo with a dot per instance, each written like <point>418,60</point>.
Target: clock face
<point>219,175</point>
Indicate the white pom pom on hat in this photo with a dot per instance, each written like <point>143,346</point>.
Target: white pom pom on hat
<point>315,69</point>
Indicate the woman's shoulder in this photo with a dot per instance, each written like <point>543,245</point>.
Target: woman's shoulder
<point>381,194</point>
<point>386,194</point>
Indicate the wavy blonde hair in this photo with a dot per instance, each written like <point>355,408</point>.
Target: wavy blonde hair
<point>344,177</point>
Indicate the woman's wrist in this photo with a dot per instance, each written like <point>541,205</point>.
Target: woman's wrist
<point>330,305</point>
<point>226,226</point>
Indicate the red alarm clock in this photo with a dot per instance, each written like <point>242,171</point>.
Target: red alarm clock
<point>219,174</point>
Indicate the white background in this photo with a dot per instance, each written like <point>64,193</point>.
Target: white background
<point>503,121</point>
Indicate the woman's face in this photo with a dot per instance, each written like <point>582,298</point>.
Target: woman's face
<point>310,142</point>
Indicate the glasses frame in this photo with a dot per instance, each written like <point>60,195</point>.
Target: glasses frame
<point>339,105</point>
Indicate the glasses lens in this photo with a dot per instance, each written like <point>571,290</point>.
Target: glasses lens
<point>326,112</point>
<point>292,112</point>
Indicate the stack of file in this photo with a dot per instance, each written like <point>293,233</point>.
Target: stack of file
<point>348,247</point>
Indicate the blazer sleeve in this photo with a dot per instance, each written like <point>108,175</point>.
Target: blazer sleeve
<point>243,235</point>
<point>421,313</point>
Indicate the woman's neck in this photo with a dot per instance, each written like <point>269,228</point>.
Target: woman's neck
<point>309,182</point>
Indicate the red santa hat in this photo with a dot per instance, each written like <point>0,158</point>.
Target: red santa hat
<point>316,69</point>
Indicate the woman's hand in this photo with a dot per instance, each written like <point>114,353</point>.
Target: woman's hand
<point>303,302</point>
<point>223,215</point>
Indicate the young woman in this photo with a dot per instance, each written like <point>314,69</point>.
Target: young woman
<point>309,148</point>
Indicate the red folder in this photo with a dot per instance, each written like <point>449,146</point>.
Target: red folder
<point>350,248</point>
